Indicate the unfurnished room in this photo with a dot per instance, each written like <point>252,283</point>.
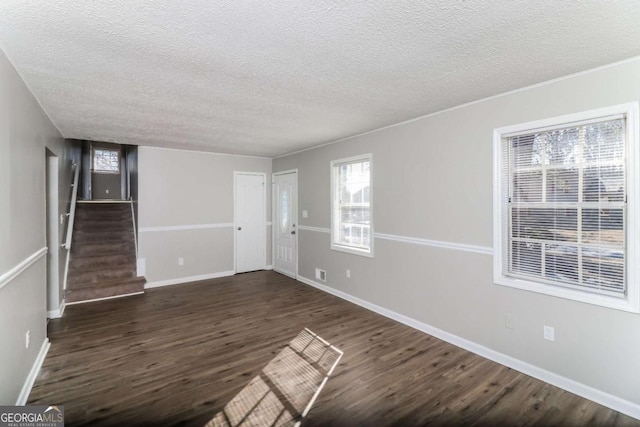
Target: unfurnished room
<point>329,213</point>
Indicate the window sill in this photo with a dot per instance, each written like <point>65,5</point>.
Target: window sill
<point>352,250</point>
<point>624,303</point>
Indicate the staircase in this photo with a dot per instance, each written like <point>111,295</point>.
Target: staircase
<point>103,254</point>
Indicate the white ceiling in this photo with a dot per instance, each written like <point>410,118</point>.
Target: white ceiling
<point>272,77</point>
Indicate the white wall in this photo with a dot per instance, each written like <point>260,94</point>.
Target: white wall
<point>432,179</point>
<point>25,131</point>
<point>182,190</point>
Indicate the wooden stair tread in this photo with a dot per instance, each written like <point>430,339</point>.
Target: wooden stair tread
<point>106,261</point>
<point>104,291</point>
<point>105,283</point>
<point>104,272</point>
<point>104,236</point>
<point>99,276</point>
<point>89,250</point>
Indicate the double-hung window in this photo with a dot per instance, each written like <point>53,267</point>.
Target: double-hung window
<point>351,218</point>
<point>566,207</point>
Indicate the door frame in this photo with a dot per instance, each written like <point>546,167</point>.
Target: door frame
<point>52,232</point>
<point>274,206</point>
<point>235,217</point>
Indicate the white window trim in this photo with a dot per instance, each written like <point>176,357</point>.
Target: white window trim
<point>345,248</point>
<point>631,301</point>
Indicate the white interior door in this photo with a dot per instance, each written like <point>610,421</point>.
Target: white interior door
<point>250,222</point>
<point>285,218</point>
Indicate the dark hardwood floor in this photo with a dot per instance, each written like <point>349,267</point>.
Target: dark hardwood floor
<point>177,355</point>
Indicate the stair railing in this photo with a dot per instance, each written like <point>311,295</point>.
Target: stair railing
<point>135,232</point>
<point>71,216</point>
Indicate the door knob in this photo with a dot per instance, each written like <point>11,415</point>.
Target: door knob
<point>239,228</point>
<point>293,232</point>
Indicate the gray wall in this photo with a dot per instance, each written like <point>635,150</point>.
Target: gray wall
<point>182,189</point>
<point>432,179</point>
<point>25,131</point>
<point>105,186</point>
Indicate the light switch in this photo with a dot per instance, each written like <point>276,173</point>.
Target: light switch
<point>305,214</point>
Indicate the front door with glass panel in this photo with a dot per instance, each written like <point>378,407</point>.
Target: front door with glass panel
<point>285,194</point>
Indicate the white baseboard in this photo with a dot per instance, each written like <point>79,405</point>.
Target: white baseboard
<point>105,298</point>
<point>56,314</point>
<point>598,396</point>
<point>33,373</point>
<point>180,280</point>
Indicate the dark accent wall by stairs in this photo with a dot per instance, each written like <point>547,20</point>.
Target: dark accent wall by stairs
<point>103,253</point>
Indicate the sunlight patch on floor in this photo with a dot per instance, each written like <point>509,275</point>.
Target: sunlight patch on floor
<point>286,389</point>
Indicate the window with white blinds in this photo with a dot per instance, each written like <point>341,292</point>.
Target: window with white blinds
<point>351,227</point>
<point>563,211</point>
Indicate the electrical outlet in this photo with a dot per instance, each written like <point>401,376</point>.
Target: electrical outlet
<point>549,333</point>
<point>321,275</point>
<point>107,191</point>
<point>508,321</point>
<point>181,261</point>
<point>305,214</point>
<point>348,274</point>
<point>27,339</point>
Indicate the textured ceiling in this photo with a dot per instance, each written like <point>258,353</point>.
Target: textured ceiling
<point>271,77</point>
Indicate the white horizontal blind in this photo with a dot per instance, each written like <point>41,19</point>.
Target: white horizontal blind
<point>354,204</point>
<point>567,206</point>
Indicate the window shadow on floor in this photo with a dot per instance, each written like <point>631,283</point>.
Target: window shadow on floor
<point>286,389</point>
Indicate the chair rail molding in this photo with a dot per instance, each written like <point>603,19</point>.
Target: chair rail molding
<point>7,277</point>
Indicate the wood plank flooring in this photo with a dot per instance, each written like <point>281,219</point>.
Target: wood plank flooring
<point>177,355</point>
